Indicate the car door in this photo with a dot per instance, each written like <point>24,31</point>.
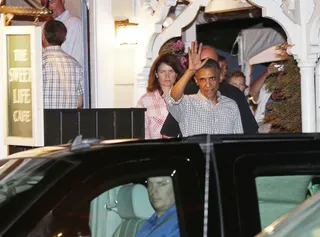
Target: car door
<point>83,202</point>
<point>262,178</point>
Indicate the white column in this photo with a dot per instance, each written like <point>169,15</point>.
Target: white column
<point>102,41</point>
<point>308,100</point>
<point>189,35</point>
<point>141,83</point>
<point>317,82</point>
<point>3,100</point>
<point>143,61</point>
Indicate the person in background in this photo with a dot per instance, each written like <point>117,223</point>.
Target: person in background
<point>164,222</point>
<point>165,71</point>
<point>171,127</point>
<point>209,52</point>
<point>237,79</point>
<point>62,74</point>
<point>207,112</point>
<point>73,44</point>
<point>262,96</point>
<point>223,67</point>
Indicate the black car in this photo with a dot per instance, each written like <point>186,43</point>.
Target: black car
<point>223,185</point>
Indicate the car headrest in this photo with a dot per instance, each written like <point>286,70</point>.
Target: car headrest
<point>111,198</point>
<point>133,202</point>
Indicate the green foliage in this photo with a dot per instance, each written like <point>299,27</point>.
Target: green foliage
<point>285,115</point>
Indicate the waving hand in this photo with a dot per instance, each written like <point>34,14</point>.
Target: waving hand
<point>195,62</point>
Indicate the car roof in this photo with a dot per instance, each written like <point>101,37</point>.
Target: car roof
<point>80,144</point>
<point>37,152</point>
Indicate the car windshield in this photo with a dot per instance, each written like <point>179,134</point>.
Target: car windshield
<point>19,175</point>
<point>22,181</point>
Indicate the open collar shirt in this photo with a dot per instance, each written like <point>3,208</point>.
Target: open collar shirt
<point>198,115</point>
<point>62,79</point>
<point>155,114</point>
<point>167,225</point>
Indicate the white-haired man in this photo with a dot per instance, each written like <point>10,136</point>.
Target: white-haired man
<point>74,42</point>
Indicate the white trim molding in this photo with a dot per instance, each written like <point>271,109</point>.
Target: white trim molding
<point>158,35</point>
<point>102,38</point>
<point>300,20</point>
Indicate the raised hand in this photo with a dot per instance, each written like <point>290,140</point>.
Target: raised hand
<point>195,62</point>
<point>271,69</point>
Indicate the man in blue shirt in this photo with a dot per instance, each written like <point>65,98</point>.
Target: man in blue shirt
<point>164,222</point>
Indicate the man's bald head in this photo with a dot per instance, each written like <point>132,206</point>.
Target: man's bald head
<point>209,52</point>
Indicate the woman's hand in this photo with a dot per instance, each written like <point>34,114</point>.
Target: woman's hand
<point>195,62</point>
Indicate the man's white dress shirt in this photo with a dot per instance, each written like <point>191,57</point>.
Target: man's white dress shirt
<point>74,42</point>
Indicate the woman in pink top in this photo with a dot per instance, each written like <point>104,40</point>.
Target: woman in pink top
<point>165,71</point>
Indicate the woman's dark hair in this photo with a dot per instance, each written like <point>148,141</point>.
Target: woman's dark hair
<point>169,59</point>
<point>55,32</point>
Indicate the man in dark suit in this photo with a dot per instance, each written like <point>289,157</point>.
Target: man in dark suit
<point>171,126</point>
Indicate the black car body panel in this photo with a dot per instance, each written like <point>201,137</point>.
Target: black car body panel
<point>230,164</point>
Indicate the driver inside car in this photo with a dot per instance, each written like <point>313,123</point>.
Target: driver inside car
<point>164,222</point>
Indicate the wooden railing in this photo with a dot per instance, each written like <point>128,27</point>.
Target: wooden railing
<point>63,125</point>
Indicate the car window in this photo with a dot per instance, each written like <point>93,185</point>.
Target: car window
<point>23,176</point>
<point>23,181</point>
<point>303,221</point>
<point>136,209</point>
<point>144,207</point>
<point>274,183</point>
<point>86,201</point>
<point>18,176</point>
<point>278,195</point>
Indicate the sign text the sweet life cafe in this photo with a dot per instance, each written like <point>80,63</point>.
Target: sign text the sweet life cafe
<point>19,86</point>
<point>23,83</point>
<point>21,95</point>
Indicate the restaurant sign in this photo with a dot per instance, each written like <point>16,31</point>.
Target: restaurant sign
<point>23,85</point>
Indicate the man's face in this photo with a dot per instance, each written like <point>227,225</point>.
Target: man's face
<point>224,69</point>
<point>208,80</point>
<point>161,193</point>
<point>238,82</point>
<point>53,5</point>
